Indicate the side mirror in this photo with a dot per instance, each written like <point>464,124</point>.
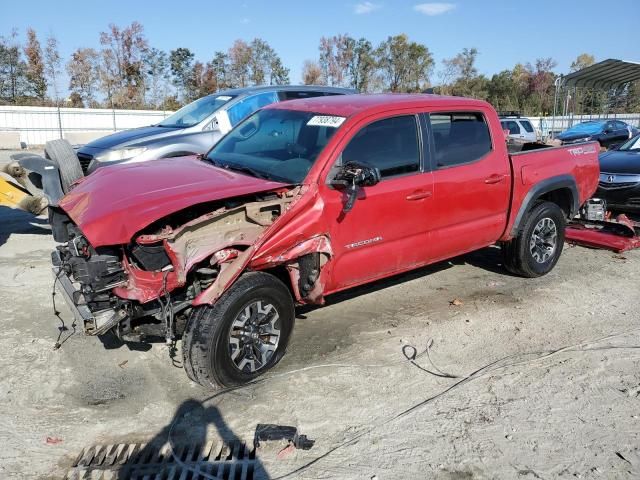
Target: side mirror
<point>353,175</point>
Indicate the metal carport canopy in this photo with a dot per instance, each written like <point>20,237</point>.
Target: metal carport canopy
<point>606,74</point>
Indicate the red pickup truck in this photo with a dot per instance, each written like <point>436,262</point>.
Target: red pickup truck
<point>301,200</point>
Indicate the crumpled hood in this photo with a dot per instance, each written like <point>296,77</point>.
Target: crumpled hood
<point>112,204</point>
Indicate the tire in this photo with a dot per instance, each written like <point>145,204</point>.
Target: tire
<point>538,246</point>
<point>61,152</point>
<point>209,343</point>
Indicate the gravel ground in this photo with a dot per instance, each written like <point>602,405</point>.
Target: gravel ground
<point>555,393</point>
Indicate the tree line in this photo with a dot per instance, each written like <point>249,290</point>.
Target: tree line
<point>127,72</point>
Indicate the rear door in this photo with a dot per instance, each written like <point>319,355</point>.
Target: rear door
<point>386,231</point>
<point>471,177</point>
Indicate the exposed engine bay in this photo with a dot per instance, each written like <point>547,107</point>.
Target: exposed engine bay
<point>146,289</point>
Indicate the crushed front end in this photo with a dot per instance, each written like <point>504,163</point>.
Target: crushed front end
<point>145,289</point>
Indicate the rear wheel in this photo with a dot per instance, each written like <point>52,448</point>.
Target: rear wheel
<point>242,335</point>
<point>537,248</point>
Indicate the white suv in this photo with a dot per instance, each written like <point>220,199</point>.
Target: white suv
<point>520,128</point>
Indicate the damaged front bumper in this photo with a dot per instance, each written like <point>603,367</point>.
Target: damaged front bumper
<point>93,323</point>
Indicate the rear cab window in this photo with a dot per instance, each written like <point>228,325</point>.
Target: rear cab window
<point>459,138</point>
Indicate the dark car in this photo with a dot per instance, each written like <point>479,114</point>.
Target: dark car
<point>606,132</point>
<point>619,182</point>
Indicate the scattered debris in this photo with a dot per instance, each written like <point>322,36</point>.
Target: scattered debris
<point>269,432</point>
<point>53,440</point>
<point>456,302</point>
<point>622,458</point>
<point>123,364</point>
<point>285,452</point>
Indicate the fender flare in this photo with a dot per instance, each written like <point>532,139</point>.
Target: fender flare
<point>543,187</point>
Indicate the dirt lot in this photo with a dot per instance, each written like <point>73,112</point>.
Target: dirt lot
<point>562,401</point>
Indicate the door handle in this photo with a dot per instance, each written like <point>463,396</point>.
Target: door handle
<point>497,178</point>
<point>418,195</point>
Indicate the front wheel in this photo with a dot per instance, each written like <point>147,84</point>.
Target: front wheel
<point>537,248</point>
<point>242,335</point>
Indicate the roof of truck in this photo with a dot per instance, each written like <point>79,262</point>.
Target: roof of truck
<point>348,105</point>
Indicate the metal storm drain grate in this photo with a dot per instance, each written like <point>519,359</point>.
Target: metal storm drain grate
<point>234,461</point>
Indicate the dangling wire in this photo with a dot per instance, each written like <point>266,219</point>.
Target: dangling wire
<point>56,312</point>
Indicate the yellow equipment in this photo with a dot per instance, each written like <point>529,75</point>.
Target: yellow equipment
<point>14,192</point>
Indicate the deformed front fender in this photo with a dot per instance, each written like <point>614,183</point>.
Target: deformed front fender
<point>230,272</point>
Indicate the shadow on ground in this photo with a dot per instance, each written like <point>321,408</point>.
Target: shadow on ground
<point>489,259</point>
<point>183,449</point>
<point>20,222</point>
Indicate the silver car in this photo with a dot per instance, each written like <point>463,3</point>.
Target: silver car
<point>193,129</point>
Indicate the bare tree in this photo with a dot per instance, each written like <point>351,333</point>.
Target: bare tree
<point>156,71</point>
<point>311,73</point>
<point>52,65</point>
<point>84,76</point>
<point>35,79</point>
<point>239,63</point>
<point>124,49</point>
<point>335,56</point>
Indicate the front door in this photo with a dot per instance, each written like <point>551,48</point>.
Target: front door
<point>386,231</point>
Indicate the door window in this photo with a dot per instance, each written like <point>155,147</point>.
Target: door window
<point>391,145</point>
<point>459,137</point>
<point>247,106</point>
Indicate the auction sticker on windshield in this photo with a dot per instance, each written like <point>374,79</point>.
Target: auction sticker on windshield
<point>223,97</point>
<point>325,121</point>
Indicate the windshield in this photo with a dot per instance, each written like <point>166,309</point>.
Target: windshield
<point>195,112</point>
<point>586,127</point>
<point>274,144</point>
<point>633,144</point>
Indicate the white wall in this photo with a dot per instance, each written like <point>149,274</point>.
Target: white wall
<point>37,125</point>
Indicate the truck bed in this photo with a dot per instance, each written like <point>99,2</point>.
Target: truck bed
<point>532,170</point>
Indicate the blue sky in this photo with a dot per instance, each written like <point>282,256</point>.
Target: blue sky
<point>504,32</point>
